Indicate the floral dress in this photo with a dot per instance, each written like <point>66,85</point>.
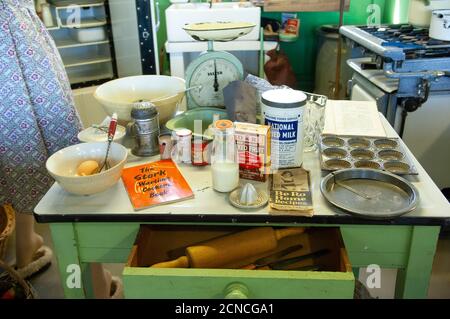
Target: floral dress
<point>37,113</point>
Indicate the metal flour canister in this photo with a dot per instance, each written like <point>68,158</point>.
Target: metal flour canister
<point>282,109</point>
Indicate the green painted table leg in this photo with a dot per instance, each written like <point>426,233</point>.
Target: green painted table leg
<point>356,272</point>
<point>87,280</point>
<point>70,271</point>
<point>413,281</point>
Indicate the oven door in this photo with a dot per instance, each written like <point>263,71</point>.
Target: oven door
<point>427,130</point>
<point>427,134</point>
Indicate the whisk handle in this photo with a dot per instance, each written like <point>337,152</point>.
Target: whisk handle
<point>112,127</point>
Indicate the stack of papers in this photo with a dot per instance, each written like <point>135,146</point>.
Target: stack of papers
<point>353,118</point>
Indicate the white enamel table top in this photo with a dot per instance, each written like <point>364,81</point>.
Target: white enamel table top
<point>208,202</point>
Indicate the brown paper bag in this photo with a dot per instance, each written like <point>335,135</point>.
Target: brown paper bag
<point>278,69</point>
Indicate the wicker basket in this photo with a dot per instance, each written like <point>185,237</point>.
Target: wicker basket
<point>7,224</point>
<point>10,277</point>
<point>361,292</point>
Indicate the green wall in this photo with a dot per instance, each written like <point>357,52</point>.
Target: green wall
<point>302,53</point>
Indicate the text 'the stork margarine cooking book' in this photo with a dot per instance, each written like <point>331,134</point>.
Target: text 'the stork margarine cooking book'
<point>155,183</point>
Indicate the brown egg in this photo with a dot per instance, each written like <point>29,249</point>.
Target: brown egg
<point>88,168</point>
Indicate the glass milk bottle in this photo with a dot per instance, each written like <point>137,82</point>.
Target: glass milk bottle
<point>224,163</point>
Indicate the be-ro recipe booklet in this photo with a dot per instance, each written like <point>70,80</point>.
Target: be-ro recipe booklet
<point>155,183</point>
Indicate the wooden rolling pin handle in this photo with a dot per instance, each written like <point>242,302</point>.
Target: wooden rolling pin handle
<point>263,268</point>
<point>181,262</point>
<point>290,231</point>
<point>249,267</point>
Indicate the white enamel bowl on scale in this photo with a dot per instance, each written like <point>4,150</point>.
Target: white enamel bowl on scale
<point>63,165</point>
<point>180,14</point>
<point>119,95</point>
<point>218,31</point>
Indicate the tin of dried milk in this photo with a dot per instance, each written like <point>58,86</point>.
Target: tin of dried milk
<point>282,109</point>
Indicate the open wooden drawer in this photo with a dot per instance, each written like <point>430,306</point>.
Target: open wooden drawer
<point>158,243</point>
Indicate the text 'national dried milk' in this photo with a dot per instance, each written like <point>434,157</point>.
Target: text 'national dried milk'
<point>282,109</point>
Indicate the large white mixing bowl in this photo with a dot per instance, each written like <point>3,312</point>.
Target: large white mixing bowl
<point>120,95</point>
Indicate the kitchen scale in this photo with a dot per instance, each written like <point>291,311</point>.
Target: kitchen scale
<point>213,70</point>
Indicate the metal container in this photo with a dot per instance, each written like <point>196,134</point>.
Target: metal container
<point>369,193</point>
<point>283,110</point>
<point>327,37</point>
<point>420,11</point>
<point>165,145</point>
<point>440,25</point>
<point>145,129</point>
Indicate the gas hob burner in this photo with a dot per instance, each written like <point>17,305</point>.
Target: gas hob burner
<point>414,41</point>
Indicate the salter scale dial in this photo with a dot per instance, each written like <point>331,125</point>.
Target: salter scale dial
<point>213,70</point>
<point>210,73</point>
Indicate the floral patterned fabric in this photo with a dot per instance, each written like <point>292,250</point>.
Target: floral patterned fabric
<point>37,113</point>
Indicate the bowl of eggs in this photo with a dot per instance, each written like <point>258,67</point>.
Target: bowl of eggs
<point>77,168</point>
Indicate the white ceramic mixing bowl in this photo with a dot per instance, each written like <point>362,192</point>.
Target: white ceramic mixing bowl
<point>63,165</point>
<point>120,95</point>
<point>92,134</point>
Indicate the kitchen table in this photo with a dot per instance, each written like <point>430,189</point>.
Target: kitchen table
<point>103,227</point>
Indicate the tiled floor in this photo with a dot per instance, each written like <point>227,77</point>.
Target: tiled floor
<point>48,284</point>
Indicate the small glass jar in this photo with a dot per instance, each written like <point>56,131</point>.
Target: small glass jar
<point>224,161</point>
<point>181,150</point>
<point>313,121</point>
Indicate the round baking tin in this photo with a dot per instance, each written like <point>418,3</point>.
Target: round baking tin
<point>369,193</point>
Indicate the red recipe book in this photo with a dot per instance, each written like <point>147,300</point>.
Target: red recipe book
<point>155,183</point>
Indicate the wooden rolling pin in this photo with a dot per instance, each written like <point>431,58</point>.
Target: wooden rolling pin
<point>230,248</point>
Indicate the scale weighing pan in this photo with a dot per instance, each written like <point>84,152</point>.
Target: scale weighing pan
<point>369,193</point>
<point>218,31</point>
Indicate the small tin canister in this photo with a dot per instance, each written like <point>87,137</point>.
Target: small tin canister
<point>145,129</point>
<point>200,154</point>
<point>165,145</point>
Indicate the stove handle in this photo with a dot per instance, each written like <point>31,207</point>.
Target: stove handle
<point>425,86</point>
<point>428,75</point>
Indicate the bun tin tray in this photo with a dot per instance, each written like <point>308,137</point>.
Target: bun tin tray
<point>387,154</point>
